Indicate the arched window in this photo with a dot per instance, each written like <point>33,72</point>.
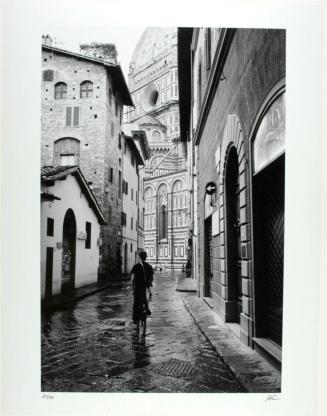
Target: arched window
<point>162,206</point>
<point>177,195</point>
<point>163,222</point>
<point>60,90</point>
<point>148,192</point>
<point>86,89</point>
<point>66,152</point>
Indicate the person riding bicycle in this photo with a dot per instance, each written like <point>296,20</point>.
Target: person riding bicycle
<point>141,282</point>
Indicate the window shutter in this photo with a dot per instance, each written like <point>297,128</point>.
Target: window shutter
<point>76,116</point>
<point>48,75</point>
<point>68,116</point>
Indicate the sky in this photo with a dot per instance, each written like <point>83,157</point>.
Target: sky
<point>125,39</point>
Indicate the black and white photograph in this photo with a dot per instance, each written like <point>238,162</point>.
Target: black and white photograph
<point>171,256</point>
<point>162,213</point>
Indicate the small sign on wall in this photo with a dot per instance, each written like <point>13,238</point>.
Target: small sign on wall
<point>215,223</point>
<point>59,244</point>
<point>81,235</point>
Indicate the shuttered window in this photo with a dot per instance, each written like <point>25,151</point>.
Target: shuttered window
<point>72,116</point>
<point>76,116</point>
<point>48,75</point>
<point>68,116</point>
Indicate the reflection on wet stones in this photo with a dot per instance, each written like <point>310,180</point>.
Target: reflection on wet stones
<point>96,336</point>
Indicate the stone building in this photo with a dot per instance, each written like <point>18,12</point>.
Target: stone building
<point>132,222</point>
<point>153,82</point>
<point>133,131</point>
<point>82,106</point>
<point>232,103</point>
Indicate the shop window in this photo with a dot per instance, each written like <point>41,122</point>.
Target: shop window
<point>88,234</point>
<point>60,91</point>
<point>86,89</point>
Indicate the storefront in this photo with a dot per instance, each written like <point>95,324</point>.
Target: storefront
<point>268,187</point>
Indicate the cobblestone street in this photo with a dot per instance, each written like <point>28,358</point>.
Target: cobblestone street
<point>93,346</point>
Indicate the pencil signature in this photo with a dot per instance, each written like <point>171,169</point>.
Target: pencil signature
<point>271,397</point>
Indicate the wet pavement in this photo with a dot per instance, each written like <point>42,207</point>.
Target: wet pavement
<point>92,346</point>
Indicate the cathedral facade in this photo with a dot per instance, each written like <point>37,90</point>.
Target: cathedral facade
<point>153,83</point>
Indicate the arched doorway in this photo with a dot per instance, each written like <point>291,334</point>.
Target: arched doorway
<point>68,253</point>
<point>233,234</point>
<point>268,219</point>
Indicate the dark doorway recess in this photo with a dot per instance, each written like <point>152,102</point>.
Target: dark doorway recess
<point>268,216</point>
<point>233,236</point>
<point>208,270</point>
<point>68,253</point>
<point>48,273</point>
<point>125,258</point>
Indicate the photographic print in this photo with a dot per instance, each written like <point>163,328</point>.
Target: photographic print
<point>162,212</point>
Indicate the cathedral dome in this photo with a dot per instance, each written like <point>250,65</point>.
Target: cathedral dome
<point>154,43</point>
